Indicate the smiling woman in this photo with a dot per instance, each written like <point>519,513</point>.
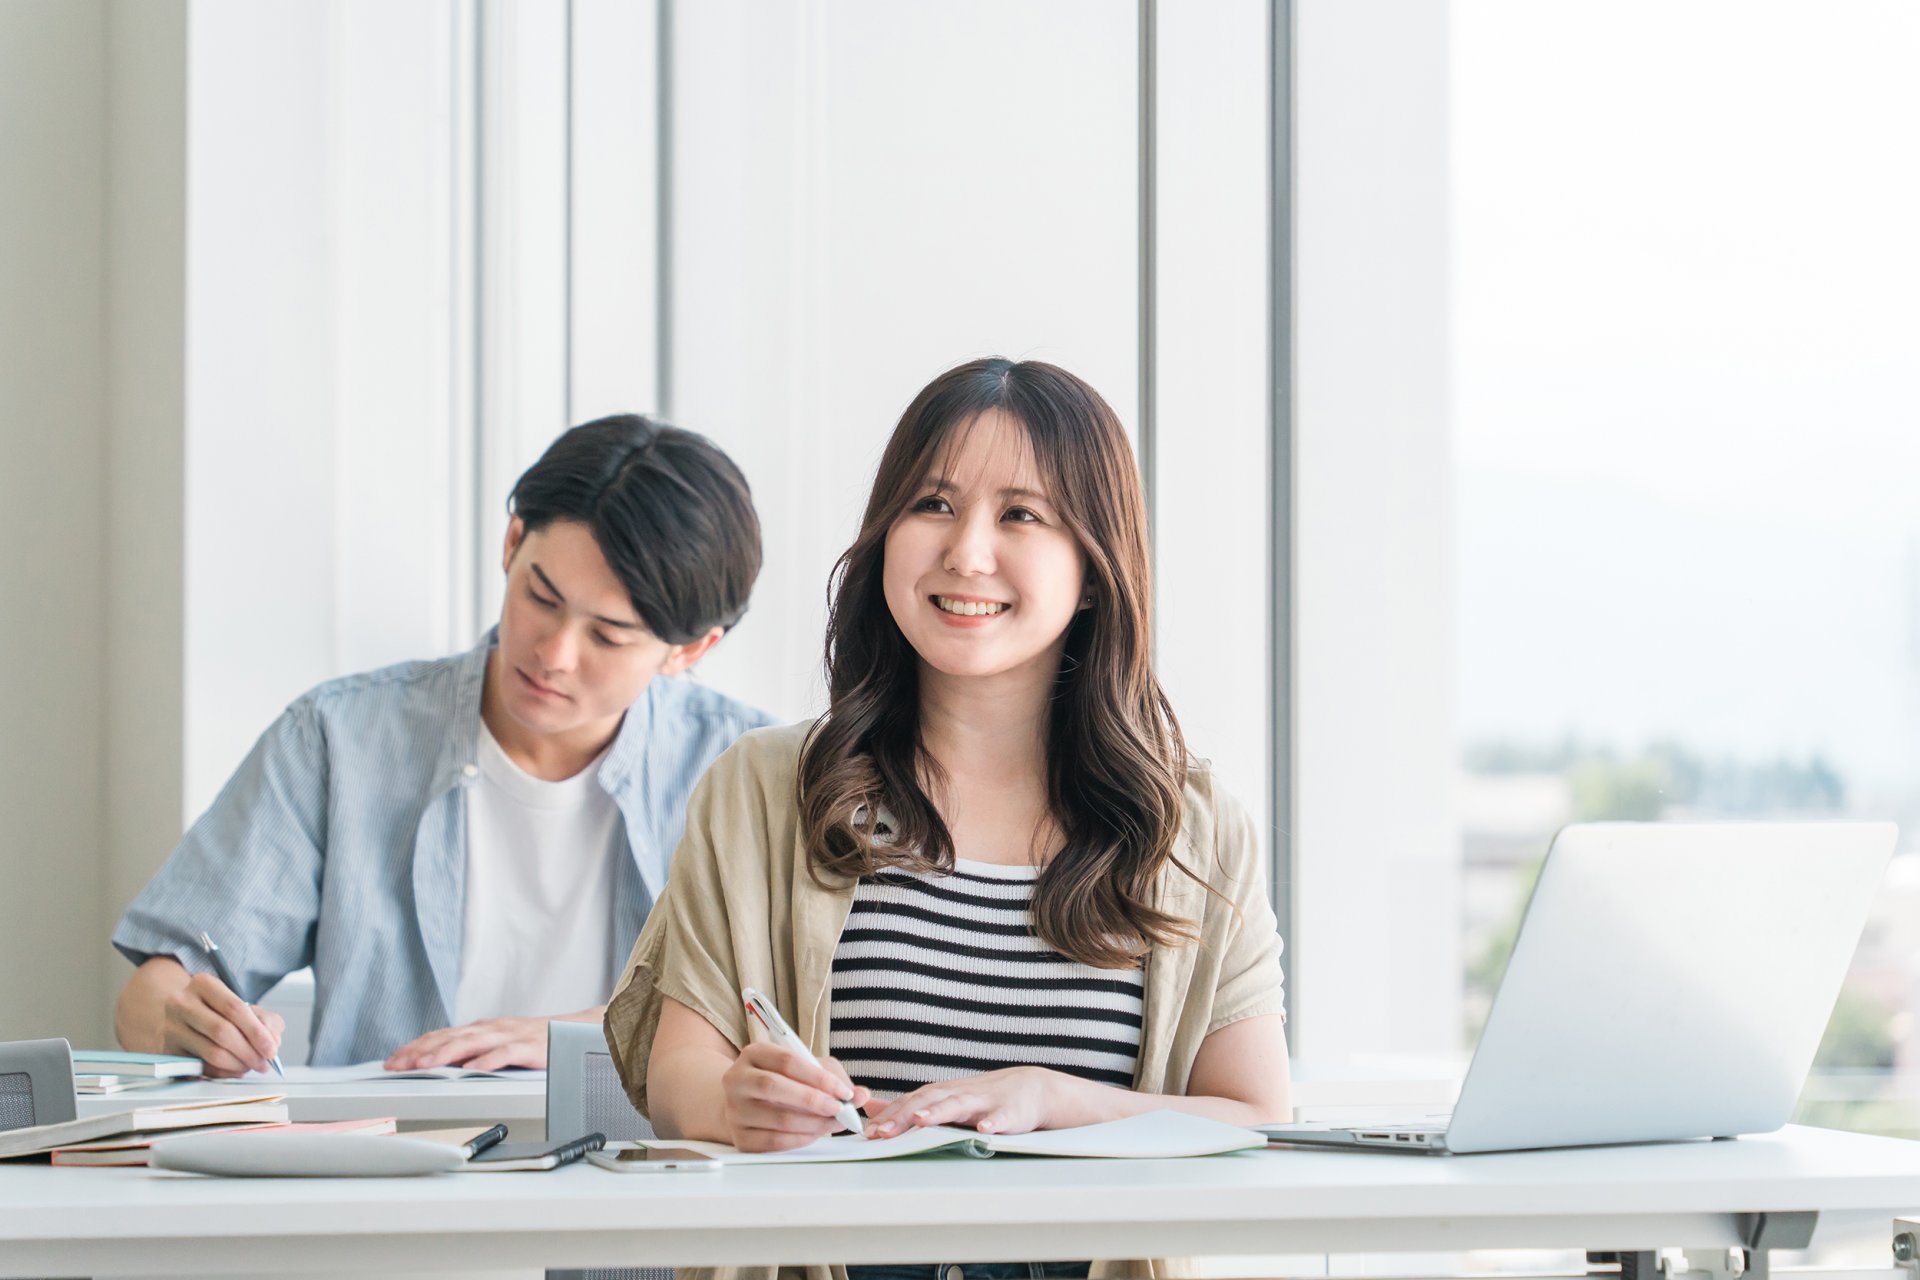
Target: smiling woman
<point>1010,484</point>
<point>989,882</point>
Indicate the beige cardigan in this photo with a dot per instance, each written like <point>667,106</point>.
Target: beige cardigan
<point>741,909</point>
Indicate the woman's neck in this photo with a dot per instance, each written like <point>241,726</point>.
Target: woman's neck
<point>990,730</point>
<point>989,739</point>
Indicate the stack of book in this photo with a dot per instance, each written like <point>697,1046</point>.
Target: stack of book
<point>125,1137</point>
<point>98,1071</point>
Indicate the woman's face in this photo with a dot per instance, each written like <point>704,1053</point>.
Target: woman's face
<point>981,575</point>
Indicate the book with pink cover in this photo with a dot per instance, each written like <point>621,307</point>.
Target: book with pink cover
<point>39,1139</point>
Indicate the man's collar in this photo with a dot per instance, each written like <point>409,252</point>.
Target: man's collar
<point>626,758</point>
<point>462,742</point>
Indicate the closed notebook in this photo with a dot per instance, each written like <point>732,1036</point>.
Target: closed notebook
<point>133,1151</point>
<point>467,1138</point>
<point>96,1085</point>
<point>40,1139</point>
<point>1156,1135</point>
<point>525,1157</point>
<point>115,1062</point>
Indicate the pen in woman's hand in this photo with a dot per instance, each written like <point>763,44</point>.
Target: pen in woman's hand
<point>225,975</point>
<point>764,1010</point>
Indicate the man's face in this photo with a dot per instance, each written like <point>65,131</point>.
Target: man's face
<point>573,653</point>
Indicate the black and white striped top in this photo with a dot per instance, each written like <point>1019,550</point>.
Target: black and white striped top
<point>941,976</point>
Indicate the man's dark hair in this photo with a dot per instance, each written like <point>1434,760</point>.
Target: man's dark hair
<point>670,511</point>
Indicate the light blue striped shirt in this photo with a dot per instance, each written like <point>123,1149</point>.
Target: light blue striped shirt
<point>341,844</point>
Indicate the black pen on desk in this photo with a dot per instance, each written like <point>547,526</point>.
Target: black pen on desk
<point>482,1141</point>
<point>225,975</point>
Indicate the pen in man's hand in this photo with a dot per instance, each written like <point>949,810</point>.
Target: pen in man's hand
<point>225,975</point>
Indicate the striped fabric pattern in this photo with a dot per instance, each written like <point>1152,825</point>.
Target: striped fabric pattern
<point>941,976</point>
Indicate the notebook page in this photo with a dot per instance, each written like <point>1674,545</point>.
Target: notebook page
<point>1156,1135</point>
<point>839,1147</point>
<point>362,1072</point>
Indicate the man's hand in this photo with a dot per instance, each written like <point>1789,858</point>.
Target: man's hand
<point>203,1019</point>
<point>486,1045</point>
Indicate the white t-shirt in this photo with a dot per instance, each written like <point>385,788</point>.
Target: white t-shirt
<point>541,856</point>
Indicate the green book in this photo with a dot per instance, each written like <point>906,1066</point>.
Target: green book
<point>113,1062</point>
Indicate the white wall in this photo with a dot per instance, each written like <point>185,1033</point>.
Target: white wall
<point>225,383</point>
<point>318,426</point>
<point>53,581</point>
<point>145,508</point>
<point>259,385</point>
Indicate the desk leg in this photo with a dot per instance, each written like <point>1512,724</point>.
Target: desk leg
<point>1765,1232</point>
<point>1761,1232</point>
<point>1643,1265</point>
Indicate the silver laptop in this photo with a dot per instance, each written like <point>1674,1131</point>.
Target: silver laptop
<point>1670,981</point>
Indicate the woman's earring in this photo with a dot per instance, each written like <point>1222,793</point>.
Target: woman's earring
<point>1086,601</point>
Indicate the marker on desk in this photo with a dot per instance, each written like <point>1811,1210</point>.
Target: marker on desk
<point>225,975</point>
<point>761,1010</point>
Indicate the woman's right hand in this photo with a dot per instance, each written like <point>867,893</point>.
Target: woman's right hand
<point>203,1019</point>
<point>775,1100</point>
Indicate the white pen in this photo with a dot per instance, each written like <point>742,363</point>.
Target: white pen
<point>761,1010</point>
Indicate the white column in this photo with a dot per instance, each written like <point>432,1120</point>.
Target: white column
<point>144,769</point>
<point>1377,961</point>
<point>615,227</point>
<point>1211,460</point>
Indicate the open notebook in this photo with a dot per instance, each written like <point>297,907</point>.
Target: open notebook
<point>373,1071</point>
<point>1157,1135</point>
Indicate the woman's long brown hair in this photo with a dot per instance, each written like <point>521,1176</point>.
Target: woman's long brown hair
<point>1116,762</point>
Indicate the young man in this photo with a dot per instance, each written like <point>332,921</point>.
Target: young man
<point>465,848</point>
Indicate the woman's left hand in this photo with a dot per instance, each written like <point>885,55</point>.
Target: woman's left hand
<point>1011,1100</point>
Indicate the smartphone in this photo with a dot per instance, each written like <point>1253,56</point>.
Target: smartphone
<point>654,1160</point>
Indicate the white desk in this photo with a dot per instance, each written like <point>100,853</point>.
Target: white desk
<point>1320,1091</point>
<point>102,1222</point>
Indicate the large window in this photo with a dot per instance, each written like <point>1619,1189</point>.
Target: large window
<point>1686,423</point>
